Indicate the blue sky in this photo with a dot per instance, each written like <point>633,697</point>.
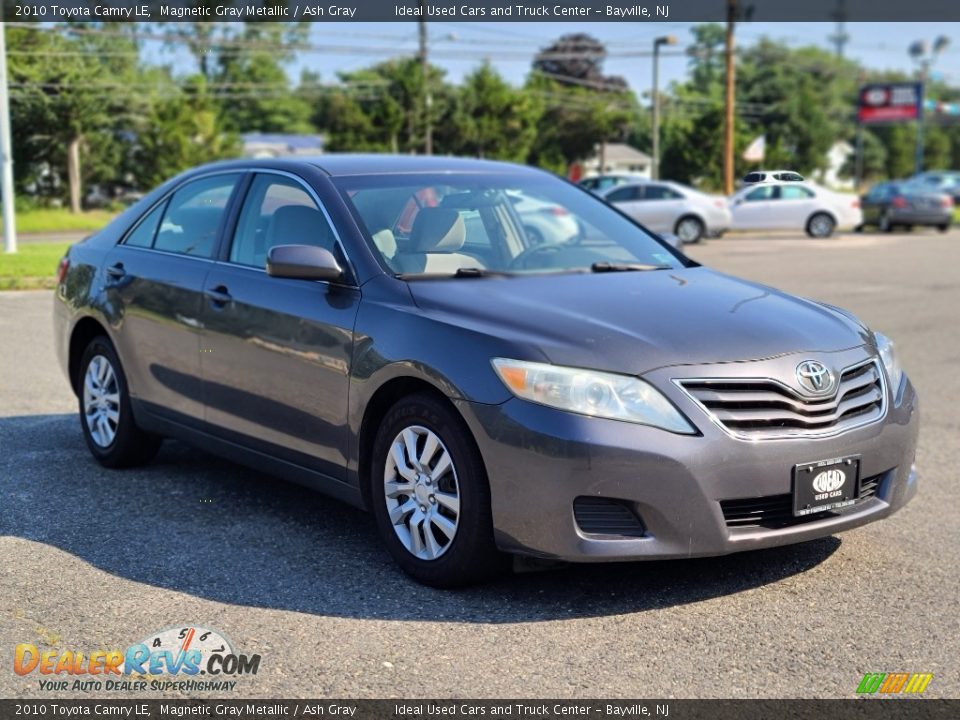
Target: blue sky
<point>459,47</point>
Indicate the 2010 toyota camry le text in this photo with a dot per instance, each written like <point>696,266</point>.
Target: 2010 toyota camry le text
<point>491,359</point>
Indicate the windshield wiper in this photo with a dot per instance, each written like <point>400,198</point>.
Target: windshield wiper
<point>601,267</point>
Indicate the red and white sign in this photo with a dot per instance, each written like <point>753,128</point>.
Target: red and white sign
<point>890,102</point>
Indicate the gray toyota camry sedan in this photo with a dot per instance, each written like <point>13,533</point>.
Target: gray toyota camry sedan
<point>384,329</point>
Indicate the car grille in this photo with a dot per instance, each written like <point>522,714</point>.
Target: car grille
<point>607,516</point>
<point>762,409</point>
<point>776,511</point>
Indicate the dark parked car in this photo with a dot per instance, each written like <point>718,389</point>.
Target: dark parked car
<point>383,329</point>
<point>902,204</point>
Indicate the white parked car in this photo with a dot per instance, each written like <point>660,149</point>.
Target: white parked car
<point>794,206</point>
<point>759,176</point>
<point>543,221</point>
<point>665,206</point>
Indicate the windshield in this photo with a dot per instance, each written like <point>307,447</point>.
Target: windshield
<point>439,224</point>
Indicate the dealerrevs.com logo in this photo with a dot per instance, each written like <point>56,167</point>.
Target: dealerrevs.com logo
<point>185,658</point>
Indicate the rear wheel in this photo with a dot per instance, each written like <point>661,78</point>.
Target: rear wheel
<point>430,495</point>
<point>820,225</point>
<point>885,223</point>
<point>689,229</point>
<point>943,228</point>
<point>106,417</point>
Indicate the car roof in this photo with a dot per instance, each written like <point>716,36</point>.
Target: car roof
<point>336,165</point>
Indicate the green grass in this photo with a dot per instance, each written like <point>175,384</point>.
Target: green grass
<point>956,216</point>
<point>47,220</point>
<point>33,266</point>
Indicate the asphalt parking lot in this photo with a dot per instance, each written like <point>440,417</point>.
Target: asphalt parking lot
<point>93,559</point>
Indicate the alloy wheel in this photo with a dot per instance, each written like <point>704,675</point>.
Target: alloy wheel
<point>101,401</point>
<point>689,230</point>
<point>421,492</point>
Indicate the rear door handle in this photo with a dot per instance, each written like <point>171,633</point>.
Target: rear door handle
<point>116,271</point>
<point>219,295</point>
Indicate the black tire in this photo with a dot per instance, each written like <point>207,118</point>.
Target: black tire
<point>820,225</point>
<point>695,226</point>
<point>943,228</point>
<point>471,555</point>
<point>130,445</point>
<point>884,224</point>
<point>860,228</point>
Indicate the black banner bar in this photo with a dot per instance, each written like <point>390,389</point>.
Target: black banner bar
<point>860,709</point>
<point>474,10</point>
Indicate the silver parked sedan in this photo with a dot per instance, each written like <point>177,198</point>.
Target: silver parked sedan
<point>665,206</point>
<point>385,330</point>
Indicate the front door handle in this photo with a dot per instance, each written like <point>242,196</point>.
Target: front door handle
<point>219,295</point>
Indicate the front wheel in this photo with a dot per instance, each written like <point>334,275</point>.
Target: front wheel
<point>689,229</point>
<point>820,225</point>
<point>430,495</point>
<point>106,417</point>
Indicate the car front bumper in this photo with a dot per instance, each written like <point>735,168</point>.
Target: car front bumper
<point>540,460</point>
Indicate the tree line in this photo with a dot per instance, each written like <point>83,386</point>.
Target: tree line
<point>89,108</point>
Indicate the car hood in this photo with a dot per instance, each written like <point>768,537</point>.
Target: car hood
<point>634,322</point>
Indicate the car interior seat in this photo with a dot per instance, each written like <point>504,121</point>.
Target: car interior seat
<point>436,239</point>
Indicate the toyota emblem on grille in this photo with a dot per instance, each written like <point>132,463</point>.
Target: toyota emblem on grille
<point>814,377</point>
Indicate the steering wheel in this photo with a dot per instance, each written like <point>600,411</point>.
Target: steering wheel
<point>520,262</point>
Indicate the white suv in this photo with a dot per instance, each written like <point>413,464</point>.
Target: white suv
<point>759,176</point>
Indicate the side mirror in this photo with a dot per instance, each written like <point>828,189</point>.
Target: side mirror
<point>303,262</point>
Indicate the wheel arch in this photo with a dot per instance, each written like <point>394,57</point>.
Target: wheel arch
<point>384,398</point>
<point>85,330</point>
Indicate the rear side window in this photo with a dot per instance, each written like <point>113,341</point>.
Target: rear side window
<point>144,233</point>
<point>661,192</point>
<point>795,192</point>
<point>753,177</point>
<point>625,194</point>
<point>193,215</point>
<point>277,211</point>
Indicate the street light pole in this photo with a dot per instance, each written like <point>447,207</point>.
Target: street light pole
<point>6,151</point>
<point>427,97</point>
<point>925,57</point>
<point>655,103</point>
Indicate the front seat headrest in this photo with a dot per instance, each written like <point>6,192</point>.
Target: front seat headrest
<point>299,225</point>
<point>438,229</point>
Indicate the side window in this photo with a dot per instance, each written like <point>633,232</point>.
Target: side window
<point>193,216</point>
<point>764,192</point>
<point>794,192</point>
<point>277,211</point>
<point>625,194</point>
<point>144,233</point>
<point>661,192</point>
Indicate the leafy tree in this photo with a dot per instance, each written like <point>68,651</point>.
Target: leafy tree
<point>492,119</point>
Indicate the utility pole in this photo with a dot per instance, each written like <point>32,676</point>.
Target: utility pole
<point>840,37</point>
<point>6,151</point>
<point>427,96</point>
<point>731,102</point>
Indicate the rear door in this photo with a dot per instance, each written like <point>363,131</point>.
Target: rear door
<point>664,205</point>
<point>796,205</point>
<point>155,280</point>
<point>276,351</point>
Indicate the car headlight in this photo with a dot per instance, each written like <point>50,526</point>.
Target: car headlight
<point>888,354</point>
<point>591,392</point>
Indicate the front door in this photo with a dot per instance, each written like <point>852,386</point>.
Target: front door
<point>276,352</point>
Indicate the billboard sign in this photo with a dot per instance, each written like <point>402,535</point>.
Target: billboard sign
<point>890,102</point>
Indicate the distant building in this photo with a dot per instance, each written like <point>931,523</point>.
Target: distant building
<point>270,145</point>
<point>618,158</point>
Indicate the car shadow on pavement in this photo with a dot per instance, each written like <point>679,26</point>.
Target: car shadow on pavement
<point>194,523</point>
